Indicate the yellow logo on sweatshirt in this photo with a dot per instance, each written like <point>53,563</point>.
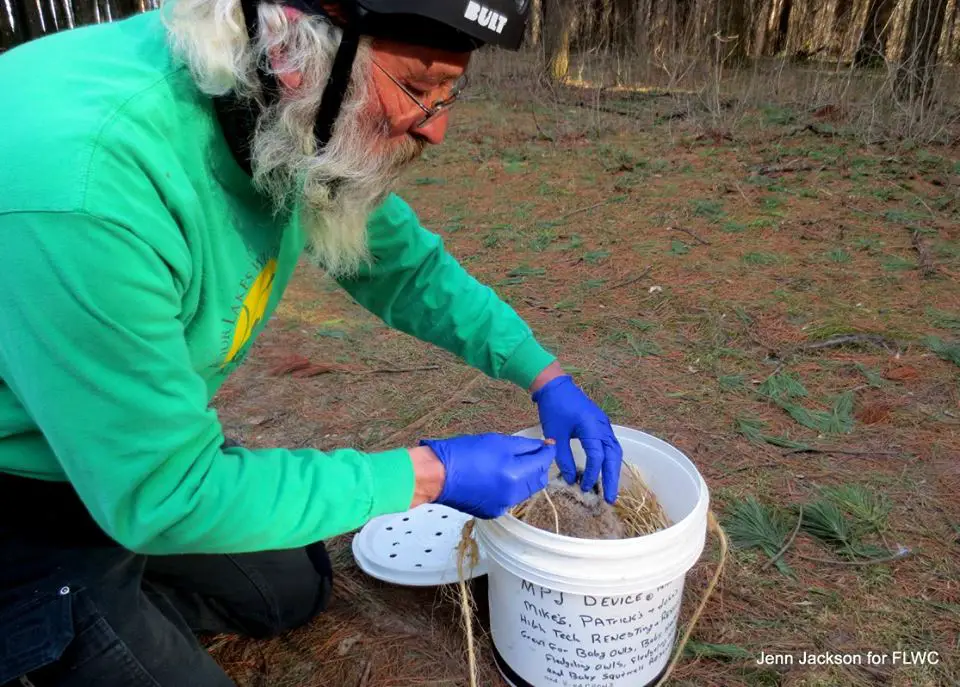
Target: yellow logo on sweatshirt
<point>252,310</point>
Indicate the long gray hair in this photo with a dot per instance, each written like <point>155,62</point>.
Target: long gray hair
<point>333,190</point>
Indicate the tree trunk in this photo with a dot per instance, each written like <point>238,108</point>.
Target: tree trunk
<point>557,33</point>
<point>876,30</point>
<point>947,39</point>
<point>11,27</point>
<point>918,63</point>
<point>778,26</point>
<point>842,20</point>
<point>535,30</point>
<point>809,27</point>
<point>36,18</point>
<point>84,12</point>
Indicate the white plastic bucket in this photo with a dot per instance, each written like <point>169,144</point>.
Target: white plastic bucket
<point>595,613</point>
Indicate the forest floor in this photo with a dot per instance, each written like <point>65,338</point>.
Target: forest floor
<point>781,303</point>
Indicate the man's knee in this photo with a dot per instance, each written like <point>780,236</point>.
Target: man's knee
<point>300,589</point>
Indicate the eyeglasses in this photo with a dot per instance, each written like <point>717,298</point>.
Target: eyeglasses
<point>431,113</point>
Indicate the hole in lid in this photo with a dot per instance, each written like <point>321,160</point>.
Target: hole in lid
<point>396,543</point>
<point>409,532</point>
<point>428,550</point>
<point>444,516</point>
<point>439,534</point>
<point>405,519</point>
<point>429,510</point>
<point>419,565</point>
<point>389,528</point>
<point>393,555</point>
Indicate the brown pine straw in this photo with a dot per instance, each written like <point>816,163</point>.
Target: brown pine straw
<point>468,554</point>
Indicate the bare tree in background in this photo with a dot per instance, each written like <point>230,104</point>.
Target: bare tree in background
<point>917,67</point>
<point>558,27</point>
<point>873,40</point>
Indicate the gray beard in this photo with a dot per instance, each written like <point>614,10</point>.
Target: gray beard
<point>334,192</point>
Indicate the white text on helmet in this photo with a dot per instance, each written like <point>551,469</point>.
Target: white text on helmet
<point>485,16</point>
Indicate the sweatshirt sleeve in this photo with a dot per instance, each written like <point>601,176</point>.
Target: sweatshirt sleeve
<point>417,287</point>
<point>92,346</point>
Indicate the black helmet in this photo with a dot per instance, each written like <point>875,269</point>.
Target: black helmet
<point>459,25</point>
<point>456,25</point>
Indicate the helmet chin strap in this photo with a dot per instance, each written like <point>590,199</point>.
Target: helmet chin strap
<point>338,81</point>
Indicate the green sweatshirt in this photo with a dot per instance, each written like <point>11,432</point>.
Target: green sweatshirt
<point>138,267</point>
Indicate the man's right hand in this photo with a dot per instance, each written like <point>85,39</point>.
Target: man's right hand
<point>485,474</point>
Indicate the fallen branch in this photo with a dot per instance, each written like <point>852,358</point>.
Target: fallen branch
<point>301,367</point>
<point>844,340</point>
<point>841,451</point>
<point>429,417</point>
<point>583,209</point>
<point>696,238</point>
<point>786,546</point>
<point>927,267</point>
<point>813,128</point>
<point>632,280</point>
<point>795,166</point>
<point>873,561</point>
<point>401,370</point>
<point>545,136</point>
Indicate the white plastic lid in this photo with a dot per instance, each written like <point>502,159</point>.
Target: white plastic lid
<point>417,548</point>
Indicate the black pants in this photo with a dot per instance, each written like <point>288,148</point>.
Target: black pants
<point>77,610</point>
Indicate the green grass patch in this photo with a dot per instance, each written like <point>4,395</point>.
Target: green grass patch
<point>644,348</point>
<point>839,256</point>
<point>731,227</point>
<point>763,223</point>
<point>828,330</point>
<point>597,256</point>
<point>943,319</point>
<point>782,386</point>
<point>575,242</point>
<point>780,116</point>
<point>870,509</point>
<point>678,248</point>
<point>753,429</point>
<point>612,406</point>
<point>884,194</point>
<point>710,209</point>
<point>947,249</point>
<point>825,521</point>
<point>526,271</point>
<point>771,204</point>
<point>837,420</point>
<point>543,240</point>
<point>752,525</point>
<point>870,244</point>
<point>614,159</point>
<point>718,652</point>
<point>947,350</point>
<point>873,376</point>
<point>896,263</point>
<point>905,217</point>
<point>761,258</point>
<point>642,325</point>
<point>428,181</point>
<point>519,275</point>
<point>731,382</point>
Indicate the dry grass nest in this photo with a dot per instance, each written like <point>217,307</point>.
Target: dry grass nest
<point>567,510</point>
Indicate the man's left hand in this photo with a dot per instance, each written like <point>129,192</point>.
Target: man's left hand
<point>566,413</point>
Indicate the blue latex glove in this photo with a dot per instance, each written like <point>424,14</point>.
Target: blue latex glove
<point>567,413</point>
<point>487,474</point>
